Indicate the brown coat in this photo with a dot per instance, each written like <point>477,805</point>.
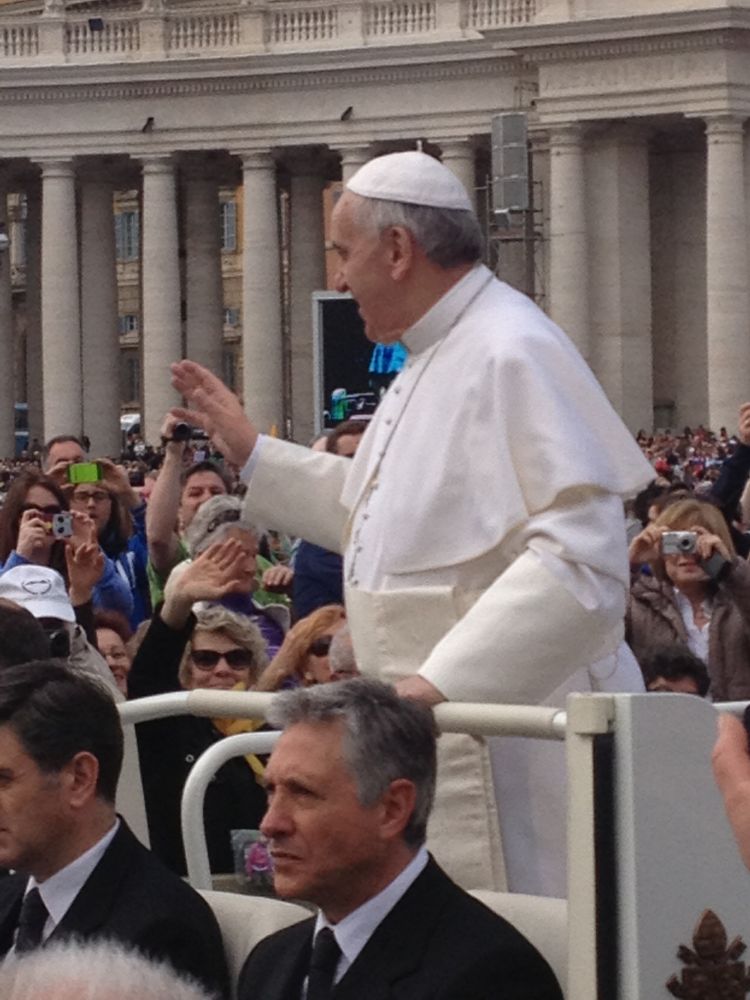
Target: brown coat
<point>653,619</point>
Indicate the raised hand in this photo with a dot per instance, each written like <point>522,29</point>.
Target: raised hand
<point>215,408</point>
<point>85,563</point>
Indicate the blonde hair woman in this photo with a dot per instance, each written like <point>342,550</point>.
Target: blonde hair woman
<point>303,657</point>
<point>698,595</point>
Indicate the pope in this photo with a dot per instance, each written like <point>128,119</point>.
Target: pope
<point>481,520</point>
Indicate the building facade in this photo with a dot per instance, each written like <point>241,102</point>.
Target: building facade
<point>216,133</point>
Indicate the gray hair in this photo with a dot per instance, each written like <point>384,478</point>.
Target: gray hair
<point>239,628</point>
<point>213,520</point>
<point>386,738</point>
<point>101,970</point>
<point>341,657</point>
<point>449,237</point>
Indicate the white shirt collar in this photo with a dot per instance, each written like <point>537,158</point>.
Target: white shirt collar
<point>441,316</point>
<point>355,930</point>
<point>60,889</point>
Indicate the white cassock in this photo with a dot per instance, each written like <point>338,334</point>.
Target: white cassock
<point>482,527</point>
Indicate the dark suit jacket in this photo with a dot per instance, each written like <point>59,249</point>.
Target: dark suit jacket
<point>131,897</point>
<point>437,943</point>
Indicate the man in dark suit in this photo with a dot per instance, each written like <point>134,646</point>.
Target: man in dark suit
<point>80,872</point>
<point>351,784</point>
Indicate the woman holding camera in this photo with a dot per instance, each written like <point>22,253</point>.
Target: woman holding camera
<point>30,533</point>
<point>697,593</point>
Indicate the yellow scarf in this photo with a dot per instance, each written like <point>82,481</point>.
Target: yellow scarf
<point>231,727</point>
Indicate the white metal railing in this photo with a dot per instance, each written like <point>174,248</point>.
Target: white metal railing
<point>242,28</point>
<point>451,717</point>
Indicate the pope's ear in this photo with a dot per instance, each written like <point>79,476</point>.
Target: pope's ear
<point>400,247</point>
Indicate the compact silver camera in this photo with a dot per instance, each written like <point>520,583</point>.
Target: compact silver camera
<point>675,543</point>
<point>62,524</point>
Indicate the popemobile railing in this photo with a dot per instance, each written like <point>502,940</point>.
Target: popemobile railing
<point>652,865</point>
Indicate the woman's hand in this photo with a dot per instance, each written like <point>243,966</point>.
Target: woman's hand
<point>84,530</point>
<point>277,579</point>
<point>85,564</point>
<point>34,535</point>
<point>646,547</point>
<point>220,570</point>
<point>115,480</point>
<point>706,544</point>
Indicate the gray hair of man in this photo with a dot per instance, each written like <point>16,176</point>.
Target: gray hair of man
<point>449,237</point>
<point>101,970</point>
<point>341,657</point>
<point>213,520</point>
<point>385,738</point>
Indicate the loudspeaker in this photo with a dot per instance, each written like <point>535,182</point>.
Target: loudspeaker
<point>510,163</point>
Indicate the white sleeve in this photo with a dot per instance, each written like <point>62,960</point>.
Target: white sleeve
<point>297,490</point>
<point>558,607</point>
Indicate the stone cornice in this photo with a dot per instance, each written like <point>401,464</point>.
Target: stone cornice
<point>238,76</point>
<point>623,36</point>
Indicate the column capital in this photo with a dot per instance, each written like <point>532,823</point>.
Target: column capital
<point>456,148</point>
<point>352,158</point>
<point>569,136</point>
<point>157,163</point>
<point>57,167</point>
<point>725,127</point>
<point>257,159</point>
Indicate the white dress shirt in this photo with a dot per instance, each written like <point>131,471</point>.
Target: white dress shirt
<point>355,930</point>
<point>60,889</point>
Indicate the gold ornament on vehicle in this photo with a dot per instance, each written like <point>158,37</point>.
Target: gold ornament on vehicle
<point>712,968</point>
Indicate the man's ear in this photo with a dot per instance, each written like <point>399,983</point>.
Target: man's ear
<point>400,247</point>
<point>80,776</point>
<point>398,806</point>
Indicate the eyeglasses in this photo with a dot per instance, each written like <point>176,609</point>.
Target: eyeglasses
<point>320,646</point>
<point>83,496</point>
<point>51,508</point>
<point>207,659</point>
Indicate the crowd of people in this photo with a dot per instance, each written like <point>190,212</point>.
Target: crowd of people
<point>459,550</point>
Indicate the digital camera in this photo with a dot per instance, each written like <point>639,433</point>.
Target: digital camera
<point>675,543</point>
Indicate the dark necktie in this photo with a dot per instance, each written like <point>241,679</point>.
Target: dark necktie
<point>31,921</point>
<point>323,961</point>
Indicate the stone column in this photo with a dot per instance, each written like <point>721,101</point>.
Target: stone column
<point>61,317</point>
<point>100,347</point>
<point>34,384</point>
<point>727,312</point>
<point>7,387</point>
<point>161,304</point>
<point>308,275</point>
<point>203,287</point>
<point>262,349</point>
<point>352,158</point>
<point>458,156</point>
<point>569,262</point>
<point>617,193</point>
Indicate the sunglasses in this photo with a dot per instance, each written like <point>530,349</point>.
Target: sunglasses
<point>206,659</point>
<point>320,647</point>
<point>49,509</point>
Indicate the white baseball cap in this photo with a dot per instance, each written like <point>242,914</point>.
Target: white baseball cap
<point>38,589</point>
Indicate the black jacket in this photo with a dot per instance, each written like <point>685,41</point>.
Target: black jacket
<point>132,898</point>
<point>437,943</point>
<point>168,748</point>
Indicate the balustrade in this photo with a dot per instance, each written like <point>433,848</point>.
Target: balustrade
<point>280,26</point>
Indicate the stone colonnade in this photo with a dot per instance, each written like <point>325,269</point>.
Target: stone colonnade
<point>602,280</point>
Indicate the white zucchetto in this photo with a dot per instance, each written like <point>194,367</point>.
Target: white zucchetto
<point>411,177</point>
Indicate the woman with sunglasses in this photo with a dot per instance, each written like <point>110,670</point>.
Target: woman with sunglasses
<point>213,648</point>
<point>303,657</point>
<point>26,537</point>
